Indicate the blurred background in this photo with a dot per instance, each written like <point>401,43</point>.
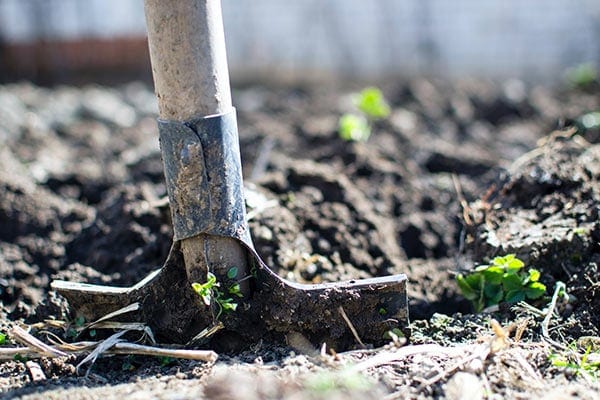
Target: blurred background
<point>76,41</point>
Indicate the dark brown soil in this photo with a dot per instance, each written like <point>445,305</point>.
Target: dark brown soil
<point>82,198</point>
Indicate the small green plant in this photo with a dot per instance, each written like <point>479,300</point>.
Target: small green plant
<point>371,106</point>
<point>354,128</point>
<point>2,338</point>
<point>206,290</point>
<point>582,75</point>
<point>372,103</point>
<point>587,364</point>
<point>209,290</point>
<point>502,280</point>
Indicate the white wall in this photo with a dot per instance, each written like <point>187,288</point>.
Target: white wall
<point>497,38</point>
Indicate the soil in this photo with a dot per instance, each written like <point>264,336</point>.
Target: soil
<point>460,172</point>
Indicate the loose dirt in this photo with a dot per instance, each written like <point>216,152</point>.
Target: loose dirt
<point>459,173</point>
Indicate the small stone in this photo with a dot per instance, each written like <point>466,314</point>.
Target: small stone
<point>464,386</point>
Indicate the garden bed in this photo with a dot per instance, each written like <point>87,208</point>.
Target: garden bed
<point>457,174</point>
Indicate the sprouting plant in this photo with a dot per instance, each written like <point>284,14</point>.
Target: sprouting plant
<point>587,364</point>
<point>209,290</point>
<point>502,280</point>
<point>206,290</point>
<point>371,105</point>
<point>354,128</point>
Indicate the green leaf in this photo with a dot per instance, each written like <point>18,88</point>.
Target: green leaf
<point>481,268</point>
<point>493,275</point>
<point>372,102</point>
<point>493,293</point>
<point>204,290</point>
<point>211,280</point>
<point>235,290</point>
<point>535,290</point>
<point>499,261</point>
<point>476,281</point>
<point>534,275</point>
<point>467,291</point>
<point>228,305</point>
<point>514,296</point>
<point>2,338</point>
<point>232,272</point>
<point>353,127</point>
<point>512,263</point>
<point>511,282</point>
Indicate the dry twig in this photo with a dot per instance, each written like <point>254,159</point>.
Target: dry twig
<point>351,327</point>
<point>34,345</point>
<point>549,313</point>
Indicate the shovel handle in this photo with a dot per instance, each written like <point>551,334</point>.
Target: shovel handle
<point>189,61</point>
<point>191,80</point>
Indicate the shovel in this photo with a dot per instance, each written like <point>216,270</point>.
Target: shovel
<point>213,285</point>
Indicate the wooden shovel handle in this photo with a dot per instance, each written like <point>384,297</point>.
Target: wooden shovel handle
<point>189,62</point>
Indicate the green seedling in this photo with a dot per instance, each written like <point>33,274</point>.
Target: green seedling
<point>502,280</point>
<point>206,290</point>
<point>371,102</point>
<point>354,128</point>
<point>587,364</point>
<point>210,290</point>
<point>235,290</point>
<point>2,338</point>
<point>371,105</point>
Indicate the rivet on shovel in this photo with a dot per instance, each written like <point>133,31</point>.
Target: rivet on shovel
<point>200,150</point>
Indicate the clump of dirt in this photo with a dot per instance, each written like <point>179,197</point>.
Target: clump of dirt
<point>456,175</point>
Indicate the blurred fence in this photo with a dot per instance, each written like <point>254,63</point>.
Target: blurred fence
<point>303,38</point>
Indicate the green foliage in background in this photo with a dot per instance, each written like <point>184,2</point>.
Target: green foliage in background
<point>502,280</point>
<point>371,102</point>
<point>583,75</point>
